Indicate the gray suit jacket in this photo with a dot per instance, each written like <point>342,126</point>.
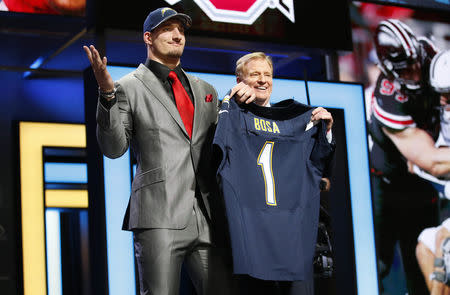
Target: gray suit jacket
<point>169,165</point>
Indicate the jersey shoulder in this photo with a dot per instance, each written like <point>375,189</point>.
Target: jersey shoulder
<point>389,105</point>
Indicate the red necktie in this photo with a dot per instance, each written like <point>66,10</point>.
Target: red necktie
<point>184,103</point>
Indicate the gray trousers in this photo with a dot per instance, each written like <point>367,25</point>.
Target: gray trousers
<point>160,254</point>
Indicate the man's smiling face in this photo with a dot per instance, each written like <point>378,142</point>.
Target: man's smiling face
<point>257,73</point>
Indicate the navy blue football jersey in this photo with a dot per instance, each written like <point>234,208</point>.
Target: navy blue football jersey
<point>271,164</point>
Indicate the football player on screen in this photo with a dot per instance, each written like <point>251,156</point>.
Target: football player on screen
<point>404,126</point>
<point>433,248</point>
<point>64,7</point>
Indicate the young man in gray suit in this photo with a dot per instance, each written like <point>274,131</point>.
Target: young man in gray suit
<point>167,117</point>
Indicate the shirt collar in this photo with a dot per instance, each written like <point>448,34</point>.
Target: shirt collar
<point>162,71</point>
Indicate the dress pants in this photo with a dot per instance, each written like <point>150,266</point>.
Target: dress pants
<point>160,254</point>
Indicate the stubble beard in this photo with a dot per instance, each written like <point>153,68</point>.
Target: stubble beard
<point>175,53</point>
<point>166,55</point>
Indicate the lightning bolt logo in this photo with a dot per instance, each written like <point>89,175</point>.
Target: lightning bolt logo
<point>165,9</point>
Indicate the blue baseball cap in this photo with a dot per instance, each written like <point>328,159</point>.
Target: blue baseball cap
<point>160,15</point>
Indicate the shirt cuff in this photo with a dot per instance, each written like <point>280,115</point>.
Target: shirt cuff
<point>107,104</point>
<point>329,136</point>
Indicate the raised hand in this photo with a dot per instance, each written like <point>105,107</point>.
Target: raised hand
<point>243,93</point>
<point>104,79</point>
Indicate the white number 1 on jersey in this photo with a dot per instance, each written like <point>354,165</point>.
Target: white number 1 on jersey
<point>265,161</point>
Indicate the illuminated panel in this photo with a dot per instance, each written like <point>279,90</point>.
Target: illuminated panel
<point>65,172</point>
<point>53,239</point>
<point>60,198</point>
<point>350,98</point>
<point>120,253</point>
<point>33,136</point>
<point>243,12</point>
<point>121,274</point>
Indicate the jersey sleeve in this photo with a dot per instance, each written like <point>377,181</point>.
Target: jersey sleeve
<point>388,105</point>
<point>323,152</point>
<point>220,136</point>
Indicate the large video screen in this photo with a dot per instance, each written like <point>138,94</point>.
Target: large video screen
<point>285,22</point>
<point>55,7</point>
<point>407,208</point>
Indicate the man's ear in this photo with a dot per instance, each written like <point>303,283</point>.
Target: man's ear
<point>238,79</point>
<point>147,38</point>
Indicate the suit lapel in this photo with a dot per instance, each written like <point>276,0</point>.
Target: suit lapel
<point>198,103</point>
<point>153,85</point>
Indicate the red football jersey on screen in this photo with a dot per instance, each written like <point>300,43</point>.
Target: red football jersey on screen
<point>30,6</point>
